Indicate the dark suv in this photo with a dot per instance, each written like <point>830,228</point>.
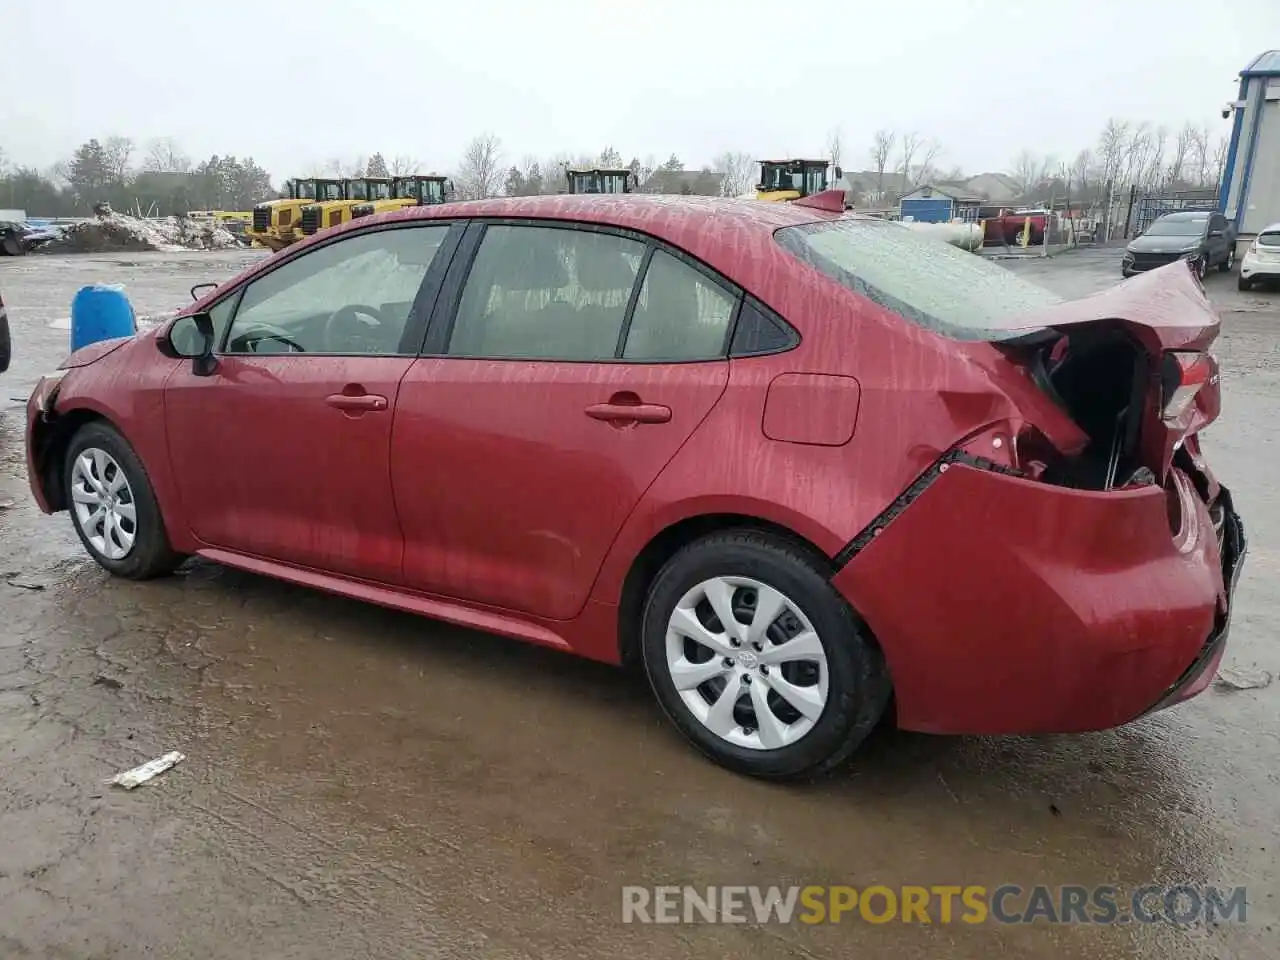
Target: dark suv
<point>1203,237</point>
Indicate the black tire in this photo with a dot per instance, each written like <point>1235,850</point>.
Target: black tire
<point>1126,272</point>
<point>151,555</point>
<point>1226,265</point>
<point>1201,265</point>
<point>1244,283</point>
<point>12,246</point>
<point>858,682</point>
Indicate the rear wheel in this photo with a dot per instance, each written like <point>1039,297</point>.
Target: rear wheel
<point>113,507</point>
<point>758,660</point>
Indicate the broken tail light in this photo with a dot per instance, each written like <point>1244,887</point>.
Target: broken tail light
<point>1183,375</point>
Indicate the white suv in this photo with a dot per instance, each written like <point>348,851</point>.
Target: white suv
<point>1261,263</point>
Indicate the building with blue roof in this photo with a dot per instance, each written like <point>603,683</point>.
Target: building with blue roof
<point>1250,190</point>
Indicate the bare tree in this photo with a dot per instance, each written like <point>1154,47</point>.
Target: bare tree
<point>1220,150</point>
<point>737,172</point>
<point>1028,171</point>
<point>165,156</point>
<point>924,170</point>
<point>906,157</point>
<point>1181,156</point>
<point>610,159</point>
<point>1078,173</point>
<point>480,172</point>
<point>1152,174</point>
<point>835,145</point>
<point>1113,146</point>
<point>881,150</point>
<point>341,169</point>
<point>117,152</point>
<point>1200,155</point>
<point>403,165</point>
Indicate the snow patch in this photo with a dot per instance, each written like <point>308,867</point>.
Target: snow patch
<point>115,231</point>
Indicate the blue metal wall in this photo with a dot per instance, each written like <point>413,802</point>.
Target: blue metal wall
<point>926,209</point>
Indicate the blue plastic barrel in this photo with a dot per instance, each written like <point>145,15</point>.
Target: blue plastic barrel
<point>100,312</point>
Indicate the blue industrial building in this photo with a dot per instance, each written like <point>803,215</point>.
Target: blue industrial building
<point>930,204</point>
<point>1250,190</point>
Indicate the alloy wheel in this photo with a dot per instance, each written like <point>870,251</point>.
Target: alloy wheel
<point>103,503</point>
<point>747,662</point>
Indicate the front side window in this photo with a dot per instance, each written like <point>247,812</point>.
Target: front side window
<point>546,292</point>
<point>680,314</point>
<point>352,297</point>
<point>925,280</point>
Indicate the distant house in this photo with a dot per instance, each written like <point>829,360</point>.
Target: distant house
<point>930,203</point>
<point>995,187</point>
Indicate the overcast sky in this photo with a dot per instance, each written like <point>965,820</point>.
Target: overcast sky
<point>295,83</point>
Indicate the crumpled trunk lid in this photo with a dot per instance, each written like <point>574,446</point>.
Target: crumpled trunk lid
<point>1173,384</point>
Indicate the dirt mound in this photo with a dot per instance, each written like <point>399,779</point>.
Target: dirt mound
<point>115,231</point>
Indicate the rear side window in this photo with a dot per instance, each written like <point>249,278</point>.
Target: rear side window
<point>546,293</point>
<point>924,280</point>
<point>680,314</point>
<point>1269,239</point>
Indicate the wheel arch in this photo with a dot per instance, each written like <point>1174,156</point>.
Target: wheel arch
<point>50,439</point>
<point>668,541</point>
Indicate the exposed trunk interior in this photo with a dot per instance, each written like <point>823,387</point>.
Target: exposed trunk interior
<point>1100,377</point>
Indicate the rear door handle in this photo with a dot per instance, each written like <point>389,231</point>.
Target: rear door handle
<point>360,401</point>
<point>629,412</point>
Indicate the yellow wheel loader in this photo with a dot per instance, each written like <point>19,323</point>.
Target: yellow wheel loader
<point>599,181</point>
<point>357,191</point>
<point>278,223</point>
<point>415,191</point>
<point>793,179</point>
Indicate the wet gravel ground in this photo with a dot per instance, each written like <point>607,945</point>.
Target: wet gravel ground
<point>361,783</point>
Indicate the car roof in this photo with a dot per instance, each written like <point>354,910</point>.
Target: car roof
<point>730,235</point>
<point>1272,228</point>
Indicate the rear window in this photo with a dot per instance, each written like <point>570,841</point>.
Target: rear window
<point>1269,239</point>
<point>925,280</point>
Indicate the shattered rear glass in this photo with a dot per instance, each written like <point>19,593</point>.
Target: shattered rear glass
<point>925,280</point>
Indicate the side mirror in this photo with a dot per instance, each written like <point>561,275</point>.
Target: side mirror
<point>191,338</point>
<point>195,295</point>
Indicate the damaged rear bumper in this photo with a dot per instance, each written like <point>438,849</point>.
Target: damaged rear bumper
<point>1233,545</point>
<point>1009,606</point>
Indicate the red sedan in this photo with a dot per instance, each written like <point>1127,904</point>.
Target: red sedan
<point>805,467</point>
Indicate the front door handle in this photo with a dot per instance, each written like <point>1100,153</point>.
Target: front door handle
<point>629,412</point>
<point>356,402</point>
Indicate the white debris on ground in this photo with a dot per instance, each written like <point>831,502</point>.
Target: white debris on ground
<point>139,775</point>
<point>115,231</point>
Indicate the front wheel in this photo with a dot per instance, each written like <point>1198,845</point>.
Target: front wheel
<point>12,246</point>
<point>1227,265</point>
<point>758,660</point>
<point>113,507</point>
<point>1201,265</point>
<point>1244,283</point>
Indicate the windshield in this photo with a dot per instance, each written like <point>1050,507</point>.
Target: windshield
<point>304,190</point>
<point>1269,239</point>
<point>1177,228</point>
<point>328,191</point>
<point>778,177</point>
<point>379,190</point>
<point>927,281</point>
